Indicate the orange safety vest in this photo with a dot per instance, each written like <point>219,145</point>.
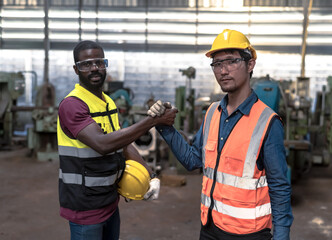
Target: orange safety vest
<point>234,191</point>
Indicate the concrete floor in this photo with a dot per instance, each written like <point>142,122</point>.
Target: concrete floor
<point>29,205</point>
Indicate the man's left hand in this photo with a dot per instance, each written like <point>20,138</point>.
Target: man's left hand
<point>153,192</point>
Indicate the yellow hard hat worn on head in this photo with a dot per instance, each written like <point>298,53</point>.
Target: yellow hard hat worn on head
<point>231,39</point>
<point>135,181</point>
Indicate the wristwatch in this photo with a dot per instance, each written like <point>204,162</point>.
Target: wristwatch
<point>153,175</point>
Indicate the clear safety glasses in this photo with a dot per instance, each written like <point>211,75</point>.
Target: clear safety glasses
<point>228,64</point>
<point>87,65</point>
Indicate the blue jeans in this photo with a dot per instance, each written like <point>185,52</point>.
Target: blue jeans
<point>108,230</point>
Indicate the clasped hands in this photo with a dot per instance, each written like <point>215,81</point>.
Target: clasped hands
<point>159,108</point>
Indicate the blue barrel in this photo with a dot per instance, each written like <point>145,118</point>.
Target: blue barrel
<point>268,92</point>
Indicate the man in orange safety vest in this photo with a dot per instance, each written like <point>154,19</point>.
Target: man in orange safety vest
<point>239,146</point>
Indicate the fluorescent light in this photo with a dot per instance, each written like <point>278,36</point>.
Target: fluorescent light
<point>23,14</point>
<point>66,36</point>
<point>88,14</point>
<point>276,17</point>
<point>171,39</point>
<point>319,40</point>
<point>223,17</point>
<point>277,41</point>
<point>23,24</point>
<point>172,27</point>
<point>172,16</point>
<point>320,28</point>
<point>233,3</point>
<point>22,35</point>
<point>63,25</point>
<point>122,26</point>
<point>124,15</point>
<point>63,14</point>
<point>121,37</point>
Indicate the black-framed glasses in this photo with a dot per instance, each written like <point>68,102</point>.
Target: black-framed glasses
<point>87,65</point>
<point>228,64</point>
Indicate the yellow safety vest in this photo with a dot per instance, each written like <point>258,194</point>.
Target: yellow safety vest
<point>87,179</point>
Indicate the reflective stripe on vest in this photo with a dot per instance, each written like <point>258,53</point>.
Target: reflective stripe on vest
<point>74,178</point>
<point>241,202</point>
<point>206,127</point>
<point>81,152</point>
<point>235,181</point>
<point>236,212</point>
<point>254,146</point>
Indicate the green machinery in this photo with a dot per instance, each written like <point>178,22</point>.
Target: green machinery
<point>307,131</point>
<point>42,137</point>
<point>185,118</point>
<point>185,103</point>
<point>12,86</point>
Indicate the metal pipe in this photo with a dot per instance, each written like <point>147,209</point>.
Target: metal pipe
<point>196,26</point>
<point>322,113</point>
<point>146,25</point>
<point>46,41</point>
<point>306,12</point>
<point>29,108</point>
<point>97,20</point>
<point>80,20</point>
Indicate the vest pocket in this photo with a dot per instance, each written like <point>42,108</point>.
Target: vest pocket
<point>99,177</point>
<point>211,154</point>
<point>233,166</point>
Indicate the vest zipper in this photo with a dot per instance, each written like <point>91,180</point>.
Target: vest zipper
<point>214,183</point>
<point>109,117</point>
<point>216,170</point>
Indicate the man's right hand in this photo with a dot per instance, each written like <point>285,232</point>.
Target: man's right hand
<point>167,118</point>
<point>158,108</point>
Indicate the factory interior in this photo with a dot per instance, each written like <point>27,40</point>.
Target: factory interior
<point>156,50</point>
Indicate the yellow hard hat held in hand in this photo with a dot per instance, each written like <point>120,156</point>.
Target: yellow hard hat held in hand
<point>135,181</point>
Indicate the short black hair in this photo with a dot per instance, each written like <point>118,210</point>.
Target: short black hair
<point>246,56</point>
<point>87,44</point>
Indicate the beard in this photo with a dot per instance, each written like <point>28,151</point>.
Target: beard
<point>90,84</point>
<point>229,86</point>
<point>228,89</point>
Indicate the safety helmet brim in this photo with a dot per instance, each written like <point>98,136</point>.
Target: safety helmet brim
<point>211,53</point>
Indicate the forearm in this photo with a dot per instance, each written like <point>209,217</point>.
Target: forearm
<point>123,137</point>
<point>94,137</point>
<point>280,195</point>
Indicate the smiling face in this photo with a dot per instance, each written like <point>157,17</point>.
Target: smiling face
<point>236,78</point>
<point>94,79</point>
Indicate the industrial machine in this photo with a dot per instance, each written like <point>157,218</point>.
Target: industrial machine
<point>185,118</point>
<point>12,86</point>
<point>42,138</point>
<point>123,102</point>
<point>185,102</point>
<point>307,140</point>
